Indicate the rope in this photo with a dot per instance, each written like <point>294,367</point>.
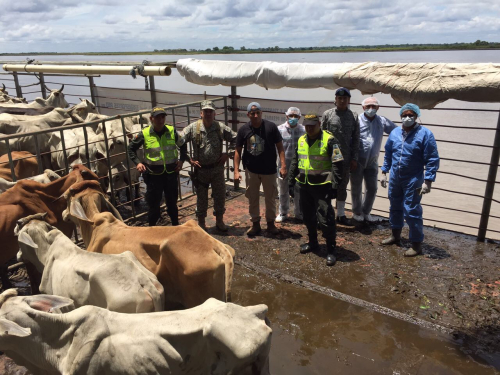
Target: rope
<point>140,70</point>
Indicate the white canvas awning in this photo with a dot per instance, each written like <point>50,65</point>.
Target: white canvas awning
<point>425,84</point>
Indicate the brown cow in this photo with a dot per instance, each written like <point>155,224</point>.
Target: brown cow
<point>29,197</point>
<point>24,165</point>
<point>191,265</point>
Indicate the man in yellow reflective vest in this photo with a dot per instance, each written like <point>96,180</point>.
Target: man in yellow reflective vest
<point>161,165</point>
<point>317,167</point>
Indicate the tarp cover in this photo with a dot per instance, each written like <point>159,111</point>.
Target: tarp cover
<point>425,84</point>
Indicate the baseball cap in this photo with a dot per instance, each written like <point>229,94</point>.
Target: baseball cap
<point>311,119</point>
<point>158,111</point>
<point>253,104</point>
<point>207,104</point>
<point>342,91</point>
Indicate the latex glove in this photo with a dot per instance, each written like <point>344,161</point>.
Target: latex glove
<point>426,187</point>
<point>291,190</point>
<point>383,180</point>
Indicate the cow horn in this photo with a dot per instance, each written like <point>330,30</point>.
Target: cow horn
<point>3,85</point>
<point>62,88</point>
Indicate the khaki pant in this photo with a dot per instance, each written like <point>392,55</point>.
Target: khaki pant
<point>270,186</point>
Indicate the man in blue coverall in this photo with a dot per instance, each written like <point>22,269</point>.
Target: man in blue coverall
<point>407,152</point>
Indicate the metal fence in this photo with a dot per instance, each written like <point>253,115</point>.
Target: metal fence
<point>232,103</point>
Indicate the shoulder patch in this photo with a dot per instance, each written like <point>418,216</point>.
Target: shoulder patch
<point>336,154</point>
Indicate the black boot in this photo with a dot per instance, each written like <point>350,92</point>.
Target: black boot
<point>395,238</point>
<point>330,256</point>
<point>312,244</point>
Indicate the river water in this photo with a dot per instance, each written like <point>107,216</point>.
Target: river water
<point>458,117</point>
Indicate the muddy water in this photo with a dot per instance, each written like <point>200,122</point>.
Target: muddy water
<point>316,334</point>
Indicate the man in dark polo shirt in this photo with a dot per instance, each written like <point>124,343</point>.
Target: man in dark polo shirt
<point>259,139</point>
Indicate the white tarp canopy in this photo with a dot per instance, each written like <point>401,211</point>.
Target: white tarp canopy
<point>425,84</point>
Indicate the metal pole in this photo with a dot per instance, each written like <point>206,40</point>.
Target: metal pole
<point>226,143</point>
<point>92,93</point>
<point>128,168</point>
<point>490,185</point>
<point>234,107</point>
<point>42,86</point>
<point>11,163</point>
<point>38,155</point>
<point>152,90</point>
<point>63,144</point>
<point>86,137</point>
<point>19,92</point>
<point>110,173</point>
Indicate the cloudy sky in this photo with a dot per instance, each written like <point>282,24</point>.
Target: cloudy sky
<point>109,25</point>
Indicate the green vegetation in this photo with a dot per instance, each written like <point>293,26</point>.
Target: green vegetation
<point>478,44</point>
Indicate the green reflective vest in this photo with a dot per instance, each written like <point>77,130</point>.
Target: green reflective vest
<point>160,151</point>
<point>315,166</point>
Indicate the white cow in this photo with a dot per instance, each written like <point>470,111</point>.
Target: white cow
<point>213,338</point>
<point>121,180</point>
<point>44,178</point>
<point>115,282</point>
<point>55,99</point>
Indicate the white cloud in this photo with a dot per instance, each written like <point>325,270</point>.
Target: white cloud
<point>111,25</point>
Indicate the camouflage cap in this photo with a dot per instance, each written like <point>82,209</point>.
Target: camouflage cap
<point>311,119</point>
<point>158,111</point>
<point>208,104</point>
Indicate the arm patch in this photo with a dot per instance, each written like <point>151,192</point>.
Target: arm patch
<point>336,154</point>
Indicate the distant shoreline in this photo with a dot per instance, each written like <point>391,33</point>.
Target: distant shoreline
<point>245,52</point>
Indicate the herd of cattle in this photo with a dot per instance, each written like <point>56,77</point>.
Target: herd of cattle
<point>108,309</point>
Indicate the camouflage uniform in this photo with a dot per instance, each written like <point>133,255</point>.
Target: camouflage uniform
<point>208,154</point>
<point>344,125</point>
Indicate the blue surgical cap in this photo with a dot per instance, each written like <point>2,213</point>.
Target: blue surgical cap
<point>411,107</point>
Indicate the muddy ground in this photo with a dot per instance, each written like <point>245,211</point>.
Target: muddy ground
<point>455,285</point>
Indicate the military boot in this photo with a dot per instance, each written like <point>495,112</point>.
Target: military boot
<point>201,223</point>
<point>330,253</point>
<point>255,229</point>
<point>312,244</point>
<point>395,238</point>
<point>219,223</point>
<point>416,249</point>
<point>271,228</point>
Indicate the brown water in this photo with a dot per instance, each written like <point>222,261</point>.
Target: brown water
<point>316,334</point>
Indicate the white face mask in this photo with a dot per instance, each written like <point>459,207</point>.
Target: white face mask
<point>370,112</point>
<point>407,121</point>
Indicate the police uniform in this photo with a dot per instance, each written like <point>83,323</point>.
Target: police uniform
<point>317,168</point>
<point>207,150</point>
<point>160,160</point>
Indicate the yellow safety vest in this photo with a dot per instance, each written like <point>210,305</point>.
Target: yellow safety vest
<point>160,151</point>
<point>314,162</point>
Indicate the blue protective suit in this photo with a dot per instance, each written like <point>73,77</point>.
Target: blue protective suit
<point>406,155</point>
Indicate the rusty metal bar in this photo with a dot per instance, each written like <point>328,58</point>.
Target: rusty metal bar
<point>490,185</point>
<point>92,88</point>
<point>87,154</point>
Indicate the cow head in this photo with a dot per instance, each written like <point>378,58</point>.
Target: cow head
<point>56,98</point>
<point>20,315</point>
<point>35,236</point>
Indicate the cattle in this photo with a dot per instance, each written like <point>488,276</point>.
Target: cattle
<point>25,165</point>
<point>55,99</point>
<point>121,179</point>
<point>214,338</point>
<point>44,178</point>
<point>115,282</point>
<point>5,98</point>
<point>54,118</point>
<point>30,197</point>
<point>191,265</point>
<point>25,111</point>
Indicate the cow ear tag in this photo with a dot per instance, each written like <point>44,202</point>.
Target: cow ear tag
<point>26,239</point>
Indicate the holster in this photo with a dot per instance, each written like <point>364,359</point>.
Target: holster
<point>194,178</point>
